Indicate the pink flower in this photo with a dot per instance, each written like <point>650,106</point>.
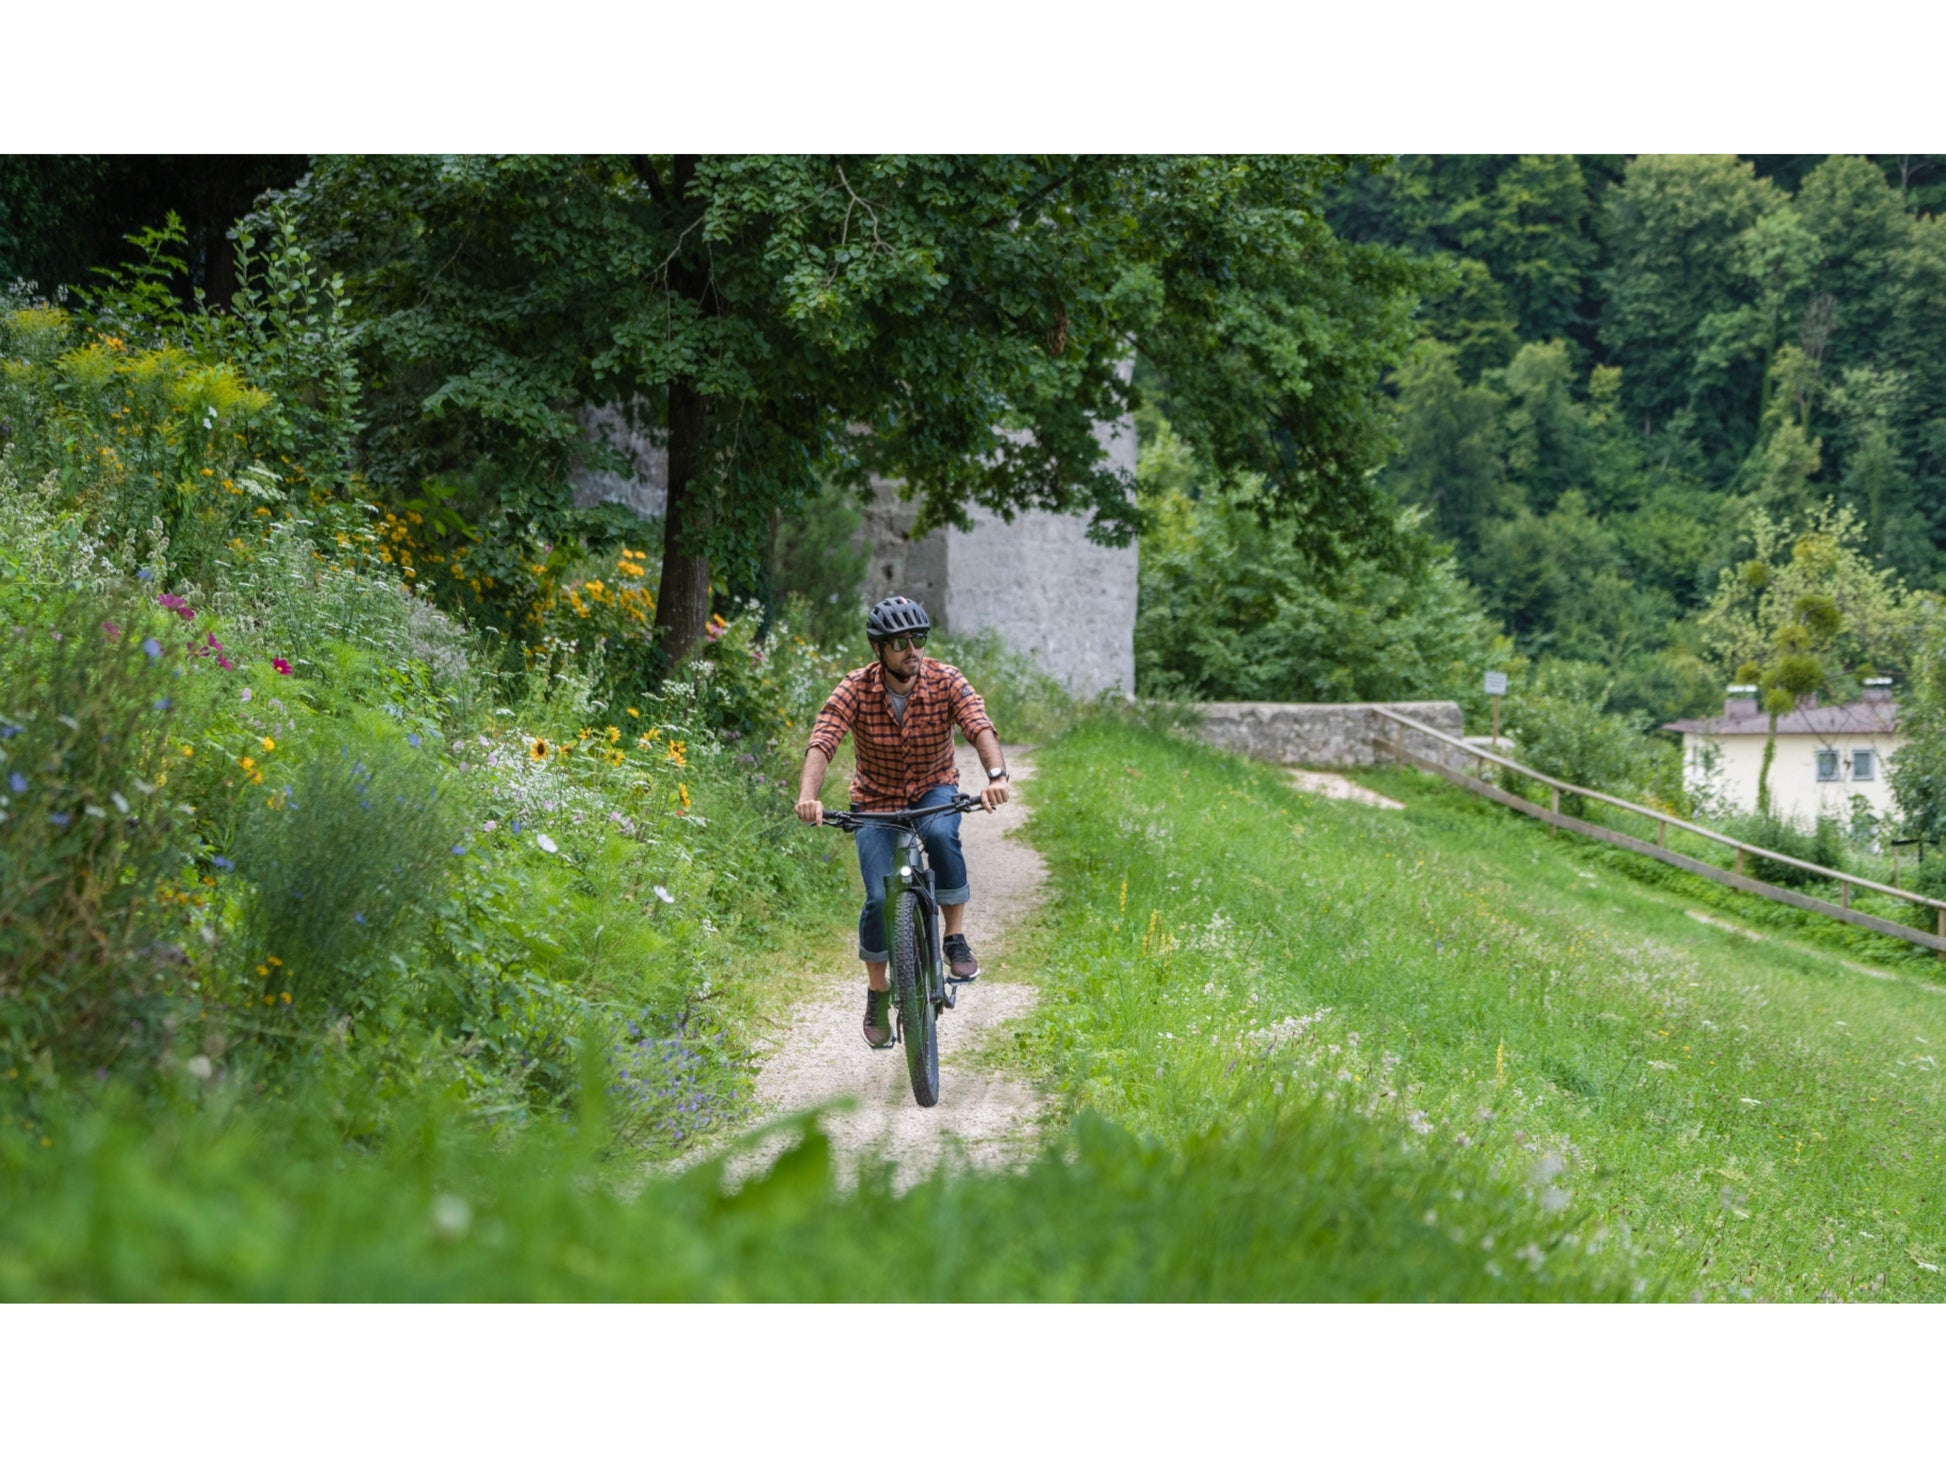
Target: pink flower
<point>246,692</point>
<point>222,663</point>
<point>113,630</point>
<point>282,666</point>
<point>171,601</point>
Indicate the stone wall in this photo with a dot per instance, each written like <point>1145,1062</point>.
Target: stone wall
<point>1334,737</point>
<point>1037,582</point>
<point>642,483</point>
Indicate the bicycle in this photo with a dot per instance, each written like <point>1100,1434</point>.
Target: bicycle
<point>920,985</point>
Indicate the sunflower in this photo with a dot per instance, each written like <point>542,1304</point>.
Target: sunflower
<point>538,749</point>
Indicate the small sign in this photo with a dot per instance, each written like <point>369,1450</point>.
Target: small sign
<point>1496,682</point>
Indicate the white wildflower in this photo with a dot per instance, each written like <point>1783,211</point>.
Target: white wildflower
<point>545,842</point>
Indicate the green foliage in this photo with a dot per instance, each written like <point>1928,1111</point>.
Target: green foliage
<point>178,433</point>
<point>1824,845</point>
<point>1025,702</point>
<point>1233,607</point>
<point>1450,462</point>
<point>231,1204</point>
<point>88,836</point>
<point>1918,771</point>
<point>1561,725</point>
<point>820,558</point>
<point>346,860</point>
<point>973,314</point>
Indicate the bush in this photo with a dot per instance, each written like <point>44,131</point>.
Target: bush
<point>1562,729</point>
<point>1024,701</point>
<point>1235,607</point>
<point>1824,845</point>
<point>87,834</point>
<point>347,859</point>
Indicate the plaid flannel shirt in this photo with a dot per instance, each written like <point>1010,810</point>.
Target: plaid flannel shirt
<point>900,760</point>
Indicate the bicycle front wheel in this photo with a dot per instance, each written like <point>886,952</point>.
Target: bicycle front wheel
<point>918,1025</point>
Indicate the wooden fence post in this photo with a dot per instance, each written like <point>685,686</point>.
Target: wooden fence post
<point>1941,953</point>
<point>1844,894</point>
<point>1662,834</point>
<point>1739,861</point>
<point>1554,793</point>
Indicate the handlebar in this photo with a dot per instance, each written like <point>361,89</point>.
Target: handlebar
<point>910,818</point>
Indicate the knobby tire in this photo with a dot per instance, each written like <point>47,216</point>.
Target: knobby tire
<point>917,1017</point>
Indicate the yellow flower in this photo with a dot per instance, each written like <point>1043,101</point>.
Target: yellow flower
<point>614,735</point>
<point>263,970</point>
<point>274,961</point>
<point>187,751</point>
<point>246,762</point>
<point>683,792</point>
<point>267,743</point>
<point>538,750</point>
<point>637,714</point>
<point>285,996</point>
<point>616,757</point>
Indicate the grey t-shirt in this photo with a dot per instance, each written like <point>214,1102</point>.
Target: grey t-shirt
<point>897,702</point>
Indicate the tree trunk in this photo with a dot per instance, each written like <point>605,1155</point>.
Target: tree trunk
<point>682,601</point>
<point>1763,771</point>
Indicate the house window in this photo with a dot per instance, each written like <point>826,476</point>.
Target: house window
<point>1864,765</point>
<point>1827,765</point>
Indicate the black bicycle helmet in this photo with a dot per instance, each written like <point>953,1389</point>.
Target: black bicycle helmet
<point>891,617</point>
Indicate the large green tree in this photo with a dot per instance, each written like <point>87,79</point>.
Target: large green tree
<point>1677,272</point>
<point>959,324</point>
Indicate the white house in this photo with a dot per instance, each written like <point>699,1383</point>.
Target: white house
<point>1826,754</point>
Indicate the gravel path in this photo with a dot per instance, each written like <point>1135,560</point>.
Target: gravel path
<point>983,1117</point>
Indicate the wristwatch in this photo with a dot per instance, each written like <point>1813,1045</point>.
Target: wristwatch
<point>997,775</point>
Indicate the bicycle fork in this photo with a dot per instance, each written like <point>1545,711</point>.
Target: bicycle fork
<point>912,874</point>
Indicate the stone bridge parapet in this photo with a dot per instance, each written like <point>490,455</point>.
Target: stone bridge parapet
<point>1328,737</point>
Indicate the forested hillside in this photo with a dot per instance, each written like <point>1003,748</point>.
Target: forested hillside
<point>1621,358</point>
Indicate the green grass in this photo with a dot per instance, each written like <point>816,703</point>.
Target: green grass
<point>1754,1118</point>
<point>271,1205</point>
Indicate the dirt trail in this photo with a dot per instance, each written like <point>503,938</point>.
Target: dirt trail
<point>987,1118</point>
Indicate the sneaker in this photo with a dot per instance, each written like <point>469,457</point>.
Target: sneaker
<point>878,1018</point>
<point>961,965</point>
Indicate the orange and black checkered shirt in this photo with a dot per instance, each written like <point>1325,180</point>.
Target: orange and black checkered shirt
<point>900,760</point>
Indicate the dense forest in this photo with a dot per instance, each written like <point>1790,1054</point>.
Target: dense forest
<point>1620,366</point>
<point>1624,357</point>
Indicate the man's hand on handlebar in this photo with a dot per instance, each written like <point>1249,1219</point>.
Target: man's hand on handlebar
<point>811,811</point>
<point>995,794</point>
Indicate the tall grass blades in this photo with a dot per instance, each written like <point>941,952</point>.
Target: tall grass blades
<point>87,833</point>
<point>346,858</point>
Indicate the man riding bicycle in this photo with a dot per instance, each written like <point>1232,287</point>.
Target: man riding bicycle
<point>900,711</point>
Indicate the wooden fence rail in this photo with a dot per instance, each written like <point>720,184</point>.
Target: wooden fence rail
<point>1395,747</point>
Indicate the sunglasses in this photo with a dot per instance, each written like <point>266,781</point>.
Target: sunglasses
<point>908,641</point>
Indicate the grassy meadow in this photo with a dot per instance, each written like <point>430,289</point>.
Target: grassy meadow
<point>1749,1119</point>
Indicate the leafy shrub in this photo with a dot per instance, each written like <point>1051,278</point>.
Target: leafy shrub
<point>1562,729</point>
<point>287,597</point>
<point>87,834</point>
<point>820,560</point>
<point>1235,607</point>
<point>346,861</point>
<point>1824,845</point>
<point>1024,701</point>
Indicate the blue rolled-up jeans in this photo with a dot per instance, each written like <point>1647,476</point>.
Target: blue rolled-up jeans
<point>877,848</point>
